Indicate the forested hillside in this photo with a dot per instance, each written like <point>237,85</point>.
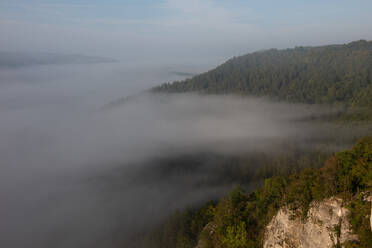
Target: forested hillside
<point>334,74</point>
<point>239,219</point>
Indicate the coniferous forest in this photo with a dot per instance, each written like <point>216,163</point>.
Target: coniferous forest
<point>339,76</point>
<point>185,124</point>
<point>334,74</point>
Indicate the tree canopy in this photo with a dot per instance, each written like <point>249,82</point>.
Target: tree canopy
<point>333,74</point>
<point>239,219</point>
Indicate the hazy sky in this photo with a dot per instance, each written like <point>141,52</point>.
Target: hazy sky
<point>177,30</point>
<point>58,152</point>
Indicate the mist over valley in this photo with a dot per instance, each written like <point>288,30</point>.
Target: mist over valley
<point>185,124</point>
<point>75,167</point>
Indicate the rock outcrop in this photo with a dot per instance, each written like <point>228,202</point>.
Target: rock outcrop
<point>208,231</point>
<point>368,197</point>
<point>326,225</point>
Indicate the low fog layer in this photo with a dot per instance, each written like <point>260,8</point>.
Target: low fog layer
<point>74,174</point>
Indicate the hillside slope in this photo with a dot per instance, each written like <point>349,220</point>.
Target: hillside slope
<point>243,220</point>
<point>334,74</point>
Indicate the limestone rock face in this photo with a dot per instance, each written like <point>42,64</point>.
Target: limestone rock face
<point>368,197</point>
<point>326,225</point>
<point>208,230</point>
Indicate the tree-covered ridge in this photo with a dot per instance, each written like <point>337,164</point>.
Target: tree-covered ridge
<point>239,220</point>
<point>334,74</point>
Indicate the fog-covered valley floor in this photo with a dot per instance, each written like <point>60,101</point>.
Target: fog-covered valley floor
<point>46,192</point>
<point>74,174</point>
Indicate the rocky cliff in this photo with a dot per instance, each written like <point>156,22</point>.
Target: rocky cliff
<point>326,225</point>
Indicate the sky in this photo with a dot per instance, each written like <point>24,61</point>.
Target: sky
<point>174,30</point>
<point>64,182</point>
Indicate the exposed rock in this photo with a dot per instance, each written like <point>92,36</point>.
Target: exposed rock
<point>326,226</point>
<point>368,197</point>
<point>208,231</point>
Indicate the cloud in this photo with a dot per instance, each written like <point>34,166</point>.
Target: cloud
<point>75,175</point>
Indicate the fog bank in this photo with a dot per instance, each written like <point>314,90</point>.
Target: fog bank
<point>76,175</point>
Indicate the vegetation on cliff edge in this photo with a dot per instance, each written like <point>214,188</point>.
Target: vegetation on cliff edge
<point>239,219</point>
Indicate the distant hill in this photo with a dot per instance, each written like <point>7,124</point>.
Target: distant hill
<point>20,59</point>
<point>333,74</point>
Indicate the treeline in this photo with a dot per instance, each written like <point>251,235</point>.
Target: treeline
<point>238,220</point>
<point>334,74</point>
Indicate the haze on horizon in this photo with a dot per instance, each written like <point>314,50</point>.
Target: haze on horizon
<point>76,174</point>
<point>187,31</point>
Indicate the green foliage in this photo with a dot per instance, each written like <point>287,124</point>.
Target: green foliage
<point>236,236</point>
<point>237,196</point>
<point>336,74</point>
<point>340,75</point>
<point>300,190</point>
<point>181,230</point>
<point>239,220</point>
<point>359,213</point>
<point>355,167</point>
